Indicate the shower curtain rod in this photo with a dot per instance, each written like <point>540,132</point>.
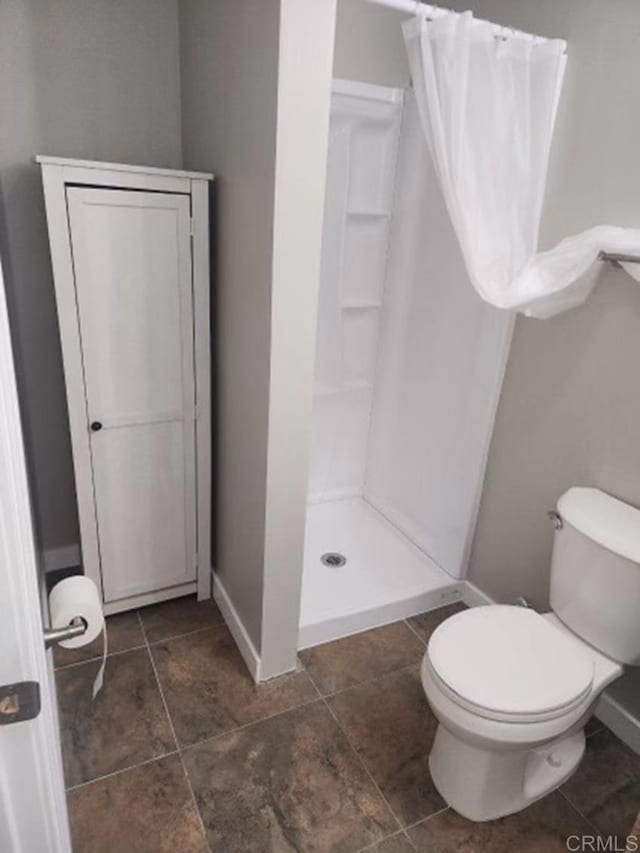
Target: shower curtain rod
<point>619,258</point>
<point>413,7</point>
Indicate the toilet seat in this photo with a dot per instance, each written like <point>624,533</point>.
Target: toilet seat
<point>509,664</point>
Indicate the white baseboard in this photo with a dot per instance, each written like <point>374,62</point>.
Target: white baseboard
<point>144,599</point>
<point>235,625</point>
<point>61,558</point>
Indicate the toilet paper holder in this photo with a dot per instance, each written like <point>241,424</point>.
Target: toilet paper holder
<point>75,628</point>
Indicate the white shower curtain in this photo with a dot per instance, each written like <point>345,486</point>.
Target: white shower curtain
<point>488,107</point>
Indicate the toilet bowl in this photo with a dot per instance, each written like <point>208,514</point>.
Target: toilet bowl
<point>512,689</point>
<point>508,735</point>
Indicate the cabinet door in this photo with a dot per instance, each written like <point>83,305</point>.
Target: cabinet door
<point>132,267</point>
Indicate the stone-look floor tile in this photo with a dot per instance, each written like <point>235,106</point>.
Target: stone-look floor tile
<point>178,616</point>
<point>390,724</point>
<point>616,815</point>
<point>209,691</point>
<point>542,828</point>
<point>606,786</point>
<point>395,844</point>
<point>352,660</point>
<point>289,783</point>
<point>124,725</point>
<point>426,623</point>
<point>147,809</point>
<point>123,632</point>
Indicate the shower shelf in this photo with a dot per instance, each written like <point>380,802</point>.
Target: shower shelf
<point>369,214</point>
<point>361,305</point>
<point>324,390</point>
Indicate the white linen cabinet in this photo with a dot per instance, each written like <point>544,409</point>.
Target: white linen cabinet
<point>130,254</point>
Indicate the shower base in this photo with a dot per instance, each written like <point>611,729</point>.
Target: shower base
<point>385,576</point>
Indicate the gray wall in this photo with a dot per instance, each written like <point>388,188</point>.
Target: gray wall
<point>570,412</point>
<point>229,55</point>
<point>368,44</point>
<point>96,79</point>
<point>255,109</point>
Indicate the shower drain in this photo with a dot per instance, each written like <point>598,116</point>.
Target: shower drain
<point>333,559</point>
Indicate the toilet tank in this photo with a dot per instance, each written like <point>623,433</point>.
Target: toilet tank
<point>595,572</point>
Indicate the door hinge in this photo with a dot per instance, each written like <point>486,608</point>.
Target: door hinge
<point>192,229</point>
<point>19,702</point>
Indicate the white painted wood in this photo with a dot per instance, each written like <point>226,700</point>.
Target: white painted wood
<point>144,599</point>
<point>60,247</point>
<point>132,264</point>
<point>33,814</point>
<point>202,348</point>
<point>236,626</point>
<point>194,263</point>
<point>125,180</point>
<point>141,418</point>
<point>99,166</point>
<point>146,536</point>
<point>131,258</point>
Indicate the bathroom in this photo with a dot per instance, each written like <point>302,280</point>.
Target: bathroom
<point>201,737</point>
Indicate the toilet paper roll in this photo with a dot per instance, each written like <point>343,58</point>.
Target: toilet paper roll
<point>78,596</point>
<point>72,597</point>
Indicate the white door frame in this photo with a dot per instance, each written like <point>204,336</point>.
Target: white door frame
<point>33,811</point>
<point>56,174</point>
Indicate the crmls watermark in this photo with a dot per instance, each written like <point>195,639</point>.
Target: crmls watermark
<point>603,844</point>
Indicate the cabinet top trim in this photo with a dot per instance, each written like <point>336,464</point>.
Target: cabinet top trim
<point>43,159</point>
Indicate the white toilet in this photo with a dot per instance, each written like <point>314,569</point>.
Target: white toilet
<point>513,689</point>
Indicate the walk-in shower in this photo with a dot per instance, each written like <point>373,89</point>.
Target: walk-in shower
<point>408,369</point>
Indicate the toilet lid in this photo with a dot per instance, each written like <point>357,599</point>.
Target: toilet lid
<point>510,661</point>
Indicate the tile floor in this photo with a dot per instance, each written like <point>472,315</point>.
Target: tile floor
<point>182,752</point>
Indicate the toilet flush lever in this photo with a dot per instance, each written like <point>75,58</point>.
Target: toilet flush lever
<point>556,518</point>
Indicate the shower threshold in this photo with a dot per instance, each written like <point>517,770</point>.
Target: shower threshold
<point>385,577</point>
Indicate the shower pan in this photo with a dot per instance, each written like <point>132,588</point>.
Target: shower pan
<point>409,364</point>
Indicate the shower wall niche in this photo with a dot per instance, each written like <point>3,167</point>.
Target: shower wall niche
<point>409,365</point>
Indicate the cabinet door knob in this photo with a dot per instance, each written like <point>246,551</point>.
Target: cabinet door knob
<point>96,426</point>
